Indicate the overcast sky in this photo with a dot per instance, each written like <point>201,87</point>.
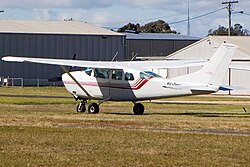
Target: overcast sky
<point>115,14</point>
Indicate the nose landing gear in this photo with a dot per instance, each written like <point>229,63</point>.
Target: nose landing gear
<point>93,108</point>
<point>81,107</point>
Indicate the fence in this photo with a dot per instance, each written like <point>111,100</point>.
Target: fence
<point>27,82</point>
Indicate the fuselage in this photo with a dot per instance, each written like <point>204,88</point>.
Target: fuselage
<point>122,85</point>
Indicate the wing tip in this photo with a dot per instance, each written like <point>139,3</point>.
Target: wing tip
<point>12,59</point>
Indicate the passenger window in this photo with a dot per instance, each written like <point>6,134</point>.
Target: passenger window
<point>129,76</point>
<point>101,73</point>
<point>117,74</point>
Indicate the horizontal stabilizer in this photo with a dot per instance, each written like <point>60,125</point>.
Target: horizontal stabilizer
<point>224,88</point>
<point>227,88</point>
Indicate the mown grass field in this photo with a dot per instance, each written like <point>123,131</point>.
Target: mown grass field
<point>46,131</point>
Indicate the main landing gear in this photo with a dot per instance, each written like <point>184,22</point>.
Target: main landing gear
<point>138,109</point>
<point>93,108</point>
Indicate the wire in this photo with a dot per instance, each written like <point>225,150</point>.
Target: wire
<point>246,13</point>
<point>196,17</point>
<point>168,16</point>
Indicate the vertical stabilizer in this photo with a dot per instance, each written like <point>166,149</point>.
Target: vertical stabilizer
<point>214,71</point>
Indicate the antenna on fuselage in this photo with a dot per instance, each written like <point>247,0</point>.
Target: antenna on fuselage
<point>114,56</point>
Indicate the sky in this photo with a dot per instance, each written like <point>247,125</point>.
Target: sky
<point>115,14</point>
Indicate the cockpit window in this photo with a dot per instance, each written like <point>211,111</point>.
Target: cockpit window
<point>144,75</point>
<point>152,74</point>
<point>101,73</point>
<point>129,76</point>
<point>88,71</point>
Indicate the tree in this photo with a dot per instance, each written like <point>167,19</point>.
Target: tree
<point>237,30</point>
<point>158,26</point>
<point>130,26</point>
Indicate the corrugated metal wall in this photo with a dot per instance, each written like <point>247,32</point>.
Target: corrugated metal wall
<point>154,47</point>
<point>87,47</point>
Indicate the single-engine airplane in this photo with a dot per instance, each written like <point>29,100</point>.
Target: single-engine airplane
<point>130,81</point>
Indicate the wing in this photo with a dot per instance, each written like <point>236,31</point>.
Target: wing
<point>108,64</point>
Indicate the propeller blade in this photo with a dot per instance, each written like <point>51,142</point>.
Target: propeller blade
<point>70,68</point>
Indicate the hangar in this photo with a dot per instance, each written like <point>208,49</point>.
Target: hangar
<point>64,39</point>
<point>53,39</point>
<point>155,44</point>
<point>205,48</point>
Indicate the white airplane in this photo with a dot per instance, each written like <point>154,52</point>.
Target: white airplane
<point>129,81</point>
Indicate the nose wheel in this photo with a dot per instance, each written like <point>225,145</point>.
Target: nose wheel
<point>81,107</point>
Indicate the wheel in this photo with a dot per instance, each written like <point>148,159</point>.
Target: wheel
<point>138,109</point>
<point>81,107</point>
<point>93,108</point>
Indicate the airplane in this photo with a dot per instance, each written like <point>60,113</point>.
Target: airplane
<point>131,81</point>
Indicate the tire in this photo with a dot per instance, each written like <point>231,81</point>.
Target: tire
<point>138,109</point>
<point>93,108</point>
<point>81,107</point>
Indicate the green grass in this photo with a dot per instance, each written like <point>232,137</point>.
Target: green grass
<point>37,146</point>
<point>35,101</point>
<point>48,132</point>
<point>35,91</point>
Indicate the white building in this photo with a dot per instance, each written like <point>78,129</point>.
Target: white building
<point>205,48</point>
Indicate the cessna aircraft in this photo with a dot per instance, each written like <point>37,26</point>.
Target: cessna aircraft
<point>131,81</point>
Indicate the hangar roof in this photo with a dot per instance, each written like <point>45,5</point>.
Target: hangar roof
<point>206,47</point>
<point>241,41</point>
<point>159,36</point>
<point>52,27</point>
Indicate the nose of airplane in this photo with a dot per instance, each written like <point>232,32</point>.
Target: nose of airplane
<point>65,78</point>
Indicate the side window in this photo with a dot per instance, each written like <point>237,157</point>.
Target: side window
<point>101,73</point>
<point>117,74</point>
<point>129,76</point>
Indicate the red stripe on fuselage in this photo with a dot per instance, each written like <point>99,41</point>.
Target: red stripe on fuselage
<point>138,84</point>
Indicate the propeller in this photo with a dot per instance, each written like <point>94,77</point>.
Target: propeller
<point>58,79</point>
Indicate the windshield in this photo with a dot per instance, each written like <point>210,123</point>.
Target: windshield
<point>88,71</point>
<point>152,74</point>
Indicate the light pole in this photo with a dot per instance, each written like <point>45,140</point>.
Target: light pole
<point>229,3</point>
<point>1,10</point>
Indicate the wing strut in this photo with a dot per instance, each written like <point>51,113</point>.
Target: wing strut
<point>80,86</point>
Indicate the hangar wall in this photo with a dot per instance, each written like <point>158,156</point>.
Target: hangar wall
<point>154,47</point>
<point>155,44</point>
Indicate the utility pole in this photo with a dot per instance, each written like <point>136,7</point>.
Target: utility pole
<point>188,28</point>
<point>229,3</point>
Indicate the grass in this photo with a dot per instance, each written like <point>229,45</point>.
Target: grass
<point>48,132</point>
<point>37,146</point>
<point>36,91</point>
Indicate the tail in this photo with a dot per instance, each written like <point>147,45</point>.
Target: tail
<point>214,72</point>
